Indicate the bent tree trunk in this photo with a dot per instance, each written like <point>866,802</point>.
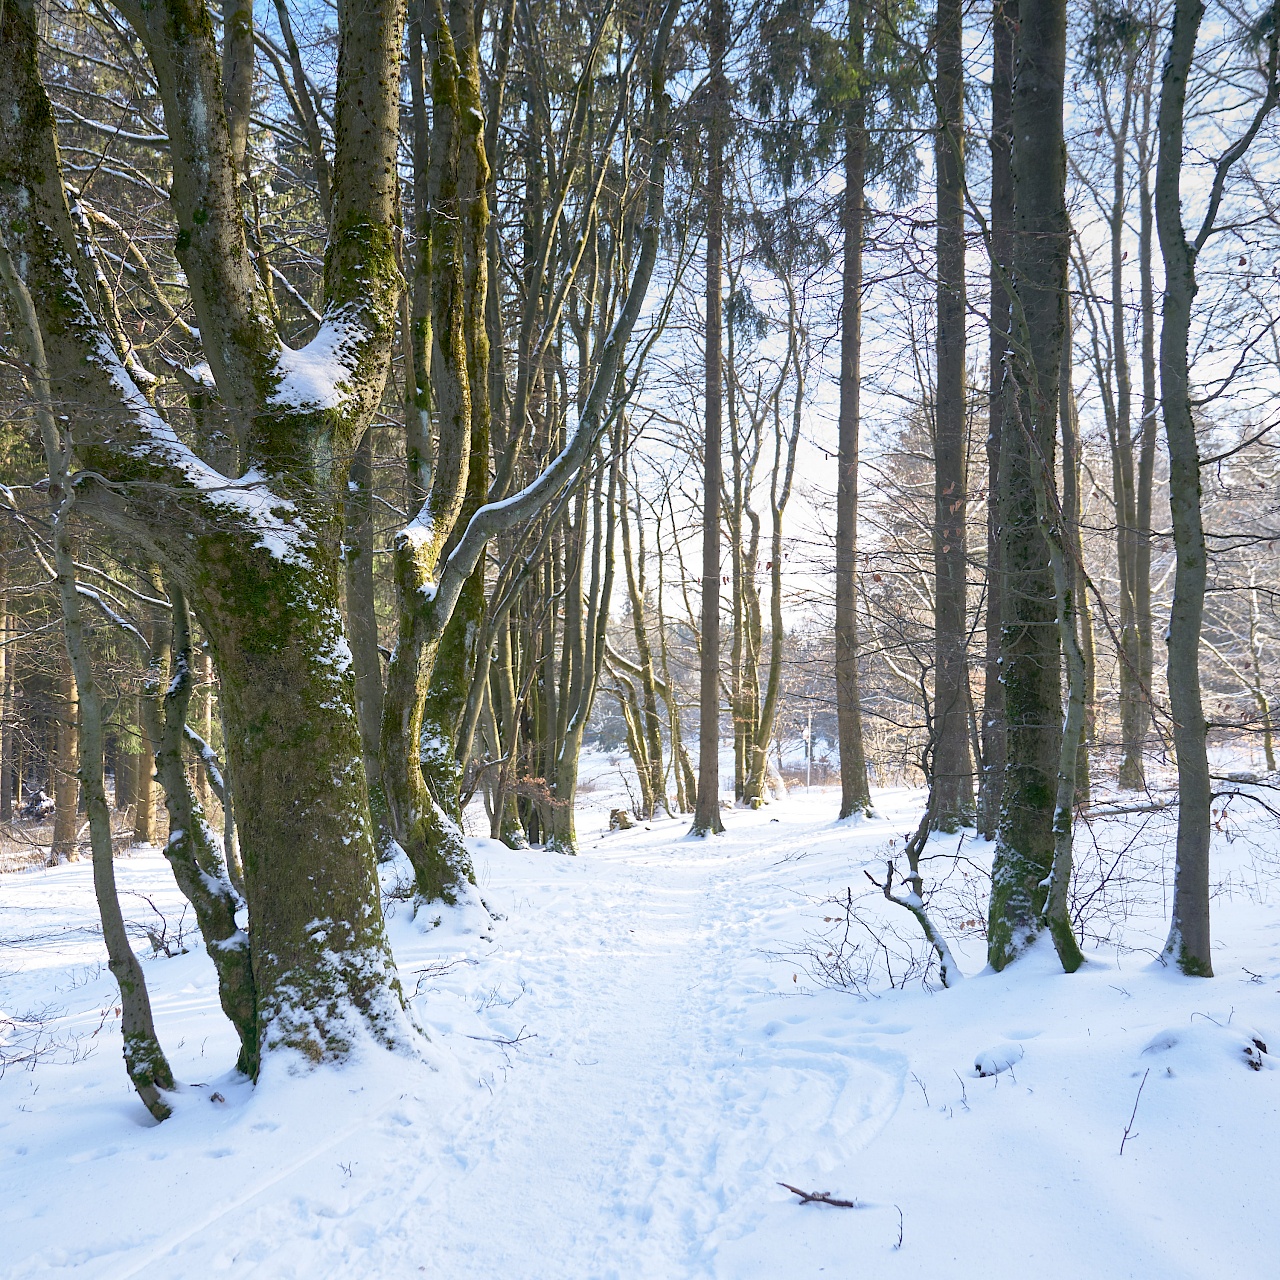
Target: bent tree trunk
<point>144,1059</point>
<point>192,851</point>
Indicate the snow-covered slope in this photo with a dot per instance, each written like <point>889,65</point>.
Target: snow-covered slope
<point>626,1064</point>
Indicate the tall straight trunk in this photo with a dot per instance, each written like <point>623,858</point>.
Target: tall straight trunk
<point>1150,403</point>
<point>1030,651</point>
<point>951,794</point>
<point>855,792</point>
<point>1081,629</point>
<point>144,785</point>
<point>66,778</point>
<point>706,816</point>
<point>1119,415</point>
<point>1001,250</point>
<point>1188,944</point>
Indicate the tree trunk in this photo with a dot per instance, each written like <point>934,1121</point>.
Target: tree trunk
<point>66,776</point>
<point>706,816</point>
<point>362,631</point>
<point>144,1059</point>
<point>855,791</point>
<point>144,789</point>
<point>191,849</point>
<point>1030,655</point>
<point>1080,631</point>
<point>951,794</point>
<point>257,557</point>
<point>1001,249</point>
<point>1150,415</point>
<point>1189,943</point>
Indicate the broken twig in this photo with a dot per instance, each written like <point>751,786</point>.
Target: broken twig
<point>819,1197</point>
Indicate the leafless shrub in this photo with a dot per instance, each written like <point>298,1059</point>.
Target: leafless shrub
<point>166,939</point>
<point>855,951</point>
<point>30,1038</point>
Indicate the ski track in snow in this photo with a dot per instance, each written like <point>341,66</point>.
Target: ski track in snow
<point>673,1064</point>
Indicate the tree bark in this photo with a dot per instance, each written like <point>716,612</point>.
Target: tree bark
<point>706,815</point>
<point>1030,652</point>
<point>951,793</point>
<point>362,631</point>
<point>1001,249</point>
<point>855,791</point>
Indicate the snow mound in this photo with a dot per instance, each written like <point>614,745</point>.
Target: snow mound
<point>991,1062</point>
<point>1201,1047</point>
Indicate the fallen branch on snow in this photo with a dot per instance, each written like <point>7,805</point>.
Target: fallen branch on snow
<point>819,1197</point>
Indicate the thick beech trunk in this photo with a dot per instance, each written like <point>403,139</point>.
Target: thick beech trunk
<point>1030,651</point>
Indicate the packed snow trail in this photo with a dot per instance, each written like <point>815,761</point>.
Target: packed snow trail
<point>624,1065</point>
<point>634,1128</point>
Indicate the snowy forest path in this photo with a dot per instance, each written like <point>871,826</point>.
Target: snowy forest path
<point>654,1112</point>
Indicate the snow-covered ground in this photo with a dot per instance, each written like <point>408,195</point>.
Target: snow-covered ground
<point>627,1063</point>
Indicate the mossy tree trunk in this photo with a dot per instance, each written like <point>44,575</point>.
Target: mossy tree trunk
<point>1030,651</point>
<point>258,557</point>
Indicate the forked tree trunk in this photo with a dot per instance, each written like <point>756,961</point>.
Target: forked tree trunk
<point>259,561</point>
